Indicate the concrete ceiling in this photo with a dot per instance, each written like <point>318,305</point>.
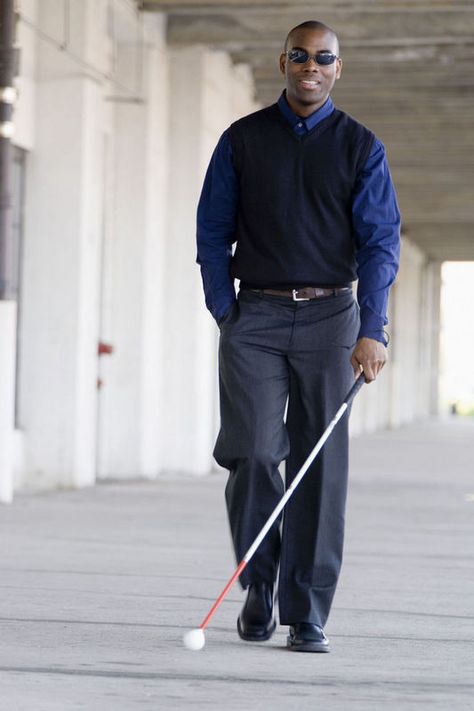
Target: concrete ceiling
<point>408,75</point>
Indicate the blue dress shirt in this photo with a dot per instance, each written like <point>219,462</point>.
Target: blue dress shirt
<point>375,219</point>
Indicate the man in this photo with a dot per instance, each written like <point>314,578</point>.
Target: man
<point>305,193</point>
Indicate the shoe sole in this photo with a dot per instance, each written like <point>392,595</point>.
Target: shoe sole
<point>255,638</point>
<point>306,646</point>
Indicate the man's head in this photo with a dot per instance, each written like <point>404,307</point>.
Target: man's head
<point>308,84</point>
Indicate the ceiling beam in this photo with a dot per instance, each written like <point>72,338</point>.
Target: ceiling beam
<point>361,6</point>
<point>375,29</point>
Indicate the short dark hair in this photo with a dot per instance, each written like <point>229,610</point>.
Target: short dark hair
<point>311,25</point>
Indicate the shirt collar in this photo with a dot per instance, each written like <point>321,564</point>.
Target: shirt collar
<point>309,121</point>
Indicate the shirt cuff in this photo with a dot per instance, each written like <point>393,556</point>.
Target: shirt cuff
<point>222,310</point>
<point>372,326</point>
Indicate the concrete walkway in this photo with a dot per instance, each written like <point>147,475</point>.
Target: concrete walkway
<point>98,586</point>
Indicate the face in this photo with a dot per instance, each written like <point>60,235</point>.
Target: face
<point>309,85</point>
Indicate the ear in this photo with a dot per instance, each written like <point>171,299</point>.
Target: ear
<point>282,62</point>
<point>338,68</point>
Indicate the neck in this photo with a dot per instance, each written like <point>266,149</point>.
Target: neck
<point>304,110</point>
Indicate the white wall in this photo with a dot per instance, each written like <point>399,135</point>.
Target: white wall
<point>60,275</point>
<point>406,388</point>
<point>113,183</point>
<point>130,424</point>
<point>89,240</point>
<point>8,318</point>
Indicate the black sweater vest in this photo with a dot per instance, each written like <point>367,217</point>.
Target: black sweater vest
<point>294,219</point>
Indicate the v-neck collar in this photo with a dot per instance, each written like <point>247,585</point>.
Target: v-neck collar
<point>299,137</point>
<point>300,124</point>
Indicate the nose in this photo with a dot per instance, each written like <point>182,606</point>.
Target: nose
<point>311,64</point>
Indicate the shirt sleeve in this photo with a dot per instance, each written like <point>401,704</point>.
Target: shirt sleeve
<point>216,219</point>
<point>376,224</point>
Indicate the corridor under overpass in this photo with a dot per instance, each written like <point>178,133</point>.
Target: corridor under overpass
<point>109,370</point>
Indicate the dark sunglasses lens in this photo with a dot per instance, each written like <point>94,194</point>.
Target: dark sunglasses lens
<point>325,59</point>
<point>298,56</point>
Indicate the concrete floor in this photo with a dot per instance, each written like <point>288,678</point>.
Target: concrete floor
<point>99,585</point>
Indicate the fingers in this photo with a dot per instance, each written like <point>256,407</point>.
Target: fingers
<point>356,366</point>
<point>370,356</point>
<point>371,370</point>
<point>369,373</point>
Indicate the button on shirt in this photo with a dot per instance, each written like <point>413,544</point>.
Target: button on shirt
<point>375,220</point>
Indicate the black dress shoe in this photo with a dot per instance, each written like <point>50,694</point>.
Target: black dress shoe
<point>305,637</point>
<point>256,622</point>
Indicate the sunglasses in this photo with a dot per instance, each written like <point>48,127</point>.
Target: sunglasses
<point>301,56</point>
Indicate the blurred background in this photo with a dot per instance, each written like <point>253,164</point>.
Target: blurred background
<point>107,353</point>
<point>457,339</point>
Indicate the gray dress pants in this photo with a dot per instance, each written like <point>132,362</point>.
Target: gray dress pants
<point>274,350</point>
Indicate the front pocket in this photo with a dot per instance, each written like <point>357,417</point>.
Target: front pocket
<point>345,327</point>
<point>228,315</point>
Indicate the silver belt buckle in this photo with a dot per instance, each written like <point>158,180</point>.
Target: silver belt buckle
<point>296,298</point>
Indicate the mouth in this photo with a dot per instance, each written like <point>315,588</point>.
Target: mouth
<point>309,84</point>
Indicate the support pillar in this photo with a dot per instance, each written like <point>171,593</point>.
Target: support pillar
<point>8,307</point>
<point>191,334</point>
<point>58,396</point>
<point>131,409</point>
<point>433,288</point>
<point>7,396</point>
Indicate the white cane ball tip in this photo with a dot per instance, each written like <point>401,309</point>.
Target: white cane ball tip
<point>194,639</point>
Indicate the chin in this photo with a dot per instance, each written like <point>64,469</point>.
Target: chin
<point>309,96</point>
<point>310,100</point>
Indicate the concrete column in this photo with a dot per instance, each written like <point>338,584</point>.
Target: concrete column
<point>200,109</point>
<point>408,330</point>
<point>130,426</point>
<point>61,261</point>
<point>405,389</point>
<point>7,397</point>
<point>432,328</point>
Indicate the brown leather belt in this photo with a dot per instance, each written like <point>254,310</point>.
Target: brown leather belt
<point>306,293</point>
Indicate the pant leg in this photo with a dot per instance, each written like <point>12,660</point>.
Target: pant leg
<point>253,441</point>
<point>313,528</point>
